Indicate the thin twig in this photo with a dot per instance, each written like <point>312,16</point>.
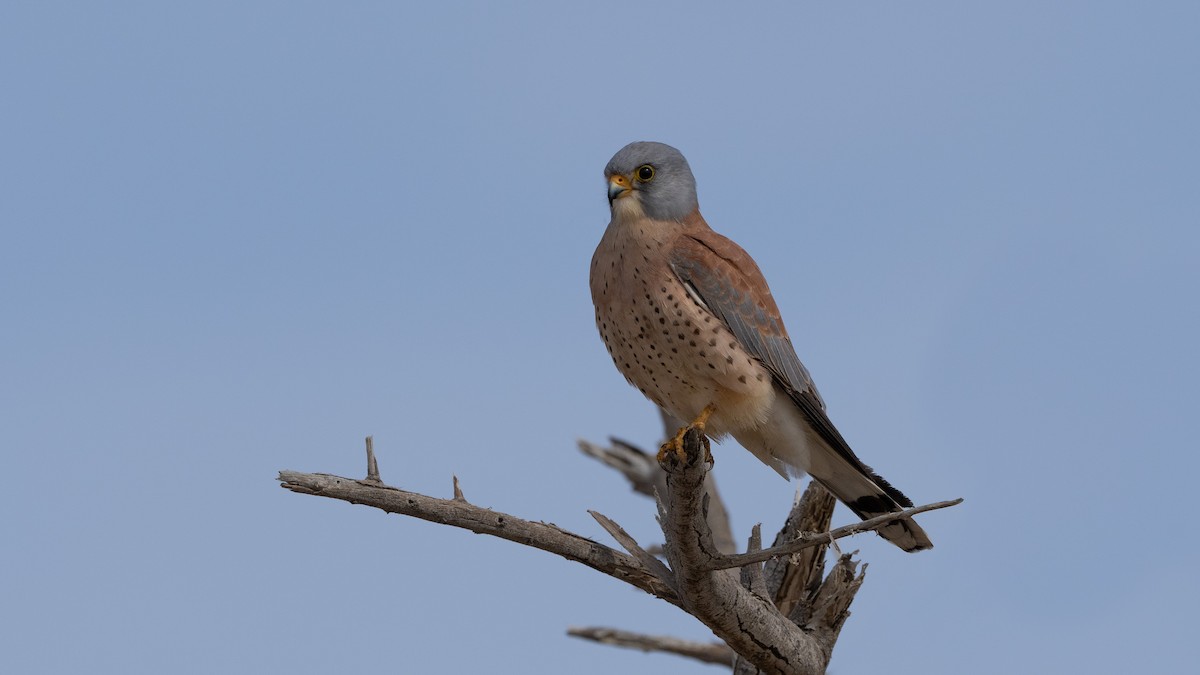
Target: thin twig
<point>708,652</point>
<point>809,539</point>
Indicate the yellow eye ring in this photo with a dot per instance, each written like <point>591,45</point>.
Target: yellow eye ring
<point>645,173</point>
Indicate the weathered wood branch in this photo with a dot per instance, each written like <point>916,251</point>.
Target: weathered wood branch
<point>793,580</point>
<point>708,652</point>
<point>751,625</point>
<point>781,617</point>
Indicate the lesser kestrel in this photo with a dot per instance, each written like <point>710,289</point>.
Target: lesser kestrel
<point>689,320</point>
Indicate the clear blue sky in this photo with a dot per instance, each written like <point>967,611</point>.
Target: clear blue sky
<point>238,237</point>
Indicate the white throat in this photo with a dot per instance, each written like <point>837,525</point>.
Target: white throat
<point>628,208</point>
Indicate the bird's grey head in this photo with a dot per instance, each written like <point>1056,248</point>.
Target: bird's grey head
<point>651,179</point>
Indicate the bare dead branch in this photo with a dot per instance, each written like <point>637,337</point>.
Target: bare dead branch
<point>708,652</point>
<point>778,618</point>
<point>752,626</point>
<point>465,515</point>
<point>809,539</point>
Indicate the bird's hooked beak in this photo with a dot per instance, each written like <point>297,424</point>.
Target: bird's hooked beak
<point>618,187</point>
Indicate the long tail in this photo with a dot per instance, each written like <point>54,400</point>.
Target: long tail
<point>790,443</point>
<point>869,495</point>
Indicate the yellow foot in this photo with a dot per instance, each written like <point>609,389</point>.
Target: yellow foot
<point>675,444</point>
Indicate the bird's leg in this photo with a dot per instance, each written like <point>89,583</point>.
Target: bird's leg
<point>675,443</point>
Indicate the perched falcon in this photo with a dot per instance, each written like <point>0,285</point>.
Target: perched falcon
<point>688,319</point>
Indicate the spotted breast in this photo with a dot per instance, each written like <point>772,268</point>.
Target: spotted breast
<point>662,337</point>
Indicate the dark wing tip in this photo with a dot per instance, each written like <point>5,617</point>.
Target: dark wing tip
<point>887,487</point>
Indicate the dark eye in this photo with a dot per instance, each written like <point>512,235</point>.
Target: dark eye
<point>645,173</point>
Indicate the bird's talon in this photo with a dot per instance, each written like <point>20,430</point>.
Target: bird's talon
<point>679,451</point>
<point>672,446</point>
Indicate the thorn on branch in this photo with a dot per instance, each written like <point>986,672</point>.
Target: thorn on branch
<point>372,464</point>
<point>752,574</point>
